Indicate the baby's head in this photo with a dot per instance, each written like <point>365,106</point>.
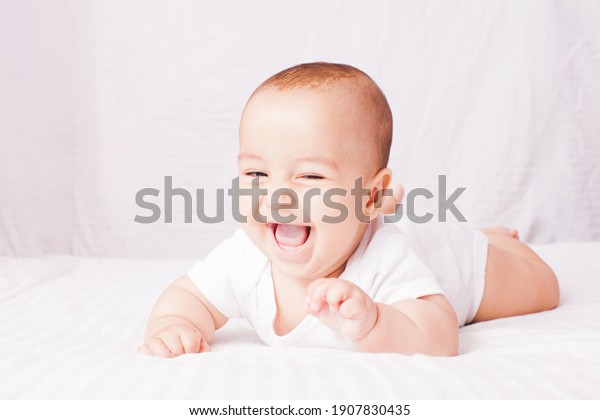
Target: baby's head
<point>350,96</point>
<point>310,134</point>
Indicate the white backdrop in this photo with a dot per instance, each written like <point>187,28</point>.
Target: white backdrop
<point>101,99</point>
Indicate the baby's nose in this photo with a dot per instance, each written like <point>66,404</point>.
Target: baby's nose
<point>281,202</point>
<point>284,198</point>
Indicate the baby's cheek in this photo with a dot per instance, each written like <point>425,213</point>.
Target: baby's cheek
<point>328,208</point>
<point>245,206</point>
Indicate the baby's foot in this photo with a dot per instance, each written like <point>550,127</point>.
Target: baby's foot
<point>501,230</point>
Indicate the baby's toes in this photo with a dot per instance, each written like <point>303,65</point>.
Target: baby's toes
<point>501,230</point>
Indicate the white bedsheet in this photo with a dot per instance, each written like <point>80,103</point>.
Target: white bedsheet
<point>69,328</point>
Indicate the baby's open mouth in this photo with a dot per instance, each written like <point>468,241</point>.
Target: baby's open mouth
<point>290,237</point>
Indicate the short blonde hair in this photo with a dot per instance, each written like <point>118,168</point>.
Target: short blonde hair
<point>371,98</point>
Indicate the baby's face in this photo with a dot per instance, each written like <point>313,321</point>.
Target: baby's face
<point>308,142</point>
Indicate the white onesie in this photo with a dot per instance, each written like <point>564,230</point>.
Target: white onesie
<point>236,278</point>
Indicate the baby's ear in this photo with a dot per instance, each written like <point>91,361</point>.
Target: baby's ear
<point>380,201</point>
<point>390,201</point>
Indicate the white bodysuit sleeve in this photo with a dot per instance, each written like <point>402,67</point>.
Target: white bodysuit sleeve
<point>214,275</point>
<point>399,272</point>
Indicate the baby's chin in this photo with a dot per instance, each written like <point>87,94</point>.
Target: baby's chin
<point>306,273</point>
<point>321,264</point>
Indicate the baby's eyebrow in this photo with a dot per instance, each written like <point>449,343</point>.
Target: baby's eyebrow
<point>318,159</point>
<point>248,156</point>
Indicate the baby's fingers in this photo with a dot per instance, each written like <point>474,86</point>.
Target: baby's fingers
<point>155,346</point>
<point>337,294</point>
<point>315,295</point>
<point>329,292</point>
<point>145,349</point>
<point>354,308</point>
<point>193,342</point>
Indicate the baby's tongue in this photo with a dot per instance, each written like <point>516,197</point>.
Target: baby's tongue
<point>291,235</point>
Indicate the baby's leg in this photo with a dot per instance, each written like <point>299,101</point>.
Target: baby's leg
<point>517,280</point>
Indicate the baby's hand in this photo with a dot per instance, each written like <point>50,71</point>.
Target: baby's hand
<point>174,340</point>
<point>342,306</point>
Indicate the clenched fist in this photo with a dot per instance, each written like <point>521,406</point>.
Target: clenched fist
<point>174,340</point>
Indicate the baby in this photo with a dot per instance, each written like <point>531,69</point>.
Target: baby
<point>314,264</point>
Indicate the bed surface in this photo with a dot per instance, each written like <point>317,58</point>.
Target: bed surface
<point>70,328</point>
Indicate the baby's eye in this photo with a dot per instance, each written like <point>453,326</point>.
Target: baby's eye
<point>256,174</point>
<point>311,176</point>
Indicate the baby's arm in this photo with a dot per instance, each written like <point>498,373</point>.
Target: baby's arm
<point>182,321</point>
<point>426,325</point>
